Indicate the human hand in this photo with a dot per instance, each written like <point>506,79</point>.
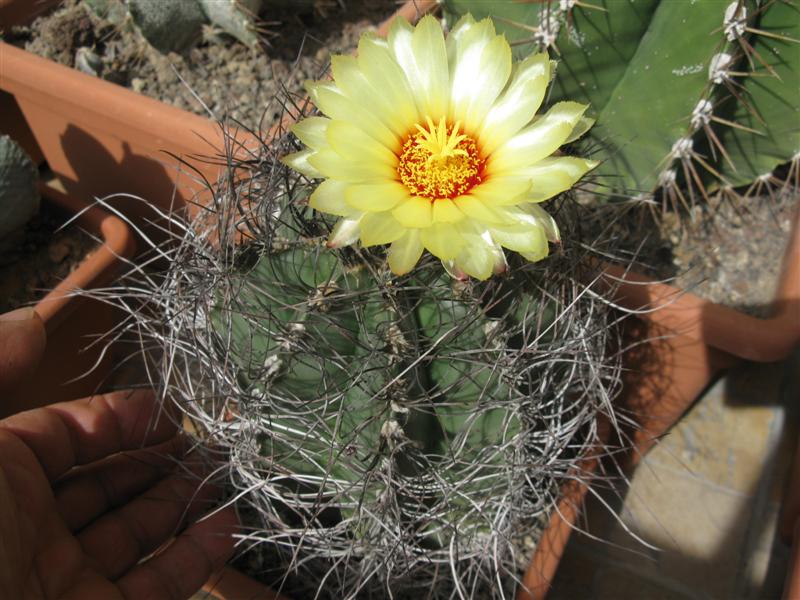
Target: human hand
<point>89,491</point>
<point>22,342</point>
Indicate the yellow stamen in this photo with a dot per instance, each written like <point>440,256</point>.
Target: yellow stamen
<point>437,162</point>
<point>436,140</point>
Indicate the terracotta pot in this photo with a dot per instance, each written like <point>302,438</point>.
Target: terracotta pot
<point>70,367</point>
<point>729,334</point>
<point>99,138</point>
<point>676,347</point>
<point>723,328</point>
<point>665,372</point>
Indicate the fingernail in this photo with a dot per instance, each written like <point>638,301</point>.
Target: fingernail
<point>21,314</point>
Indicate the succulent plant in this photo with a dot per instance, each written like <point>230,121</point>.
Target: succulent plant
<point>379,431</point>
<point>234,17</point>
<point>168,25</point>
<point>391,427</point>
<point>689,96</point>
<point>176,25</point>
<point>113,11</point>
<point>19,187</point>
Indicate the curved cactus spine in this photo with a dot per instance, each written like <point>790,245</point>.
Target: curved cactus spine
<point>713,111</point>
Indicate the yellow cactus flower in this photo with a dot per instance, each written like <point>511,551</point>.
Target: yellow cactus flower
<point>434,143</point>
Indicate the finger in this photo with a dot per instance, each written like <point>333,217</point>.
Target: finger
<point>103,486</point>
<point>118,540</point>
<point>185,565</point>
<point>82,431</point>
<point>22,342</point>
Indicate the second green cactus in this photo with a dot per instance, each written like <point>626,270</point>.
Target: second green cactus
<point>689,96</point>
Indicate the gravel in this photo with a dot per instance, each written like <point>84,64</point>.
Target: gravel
<point>218,77</point>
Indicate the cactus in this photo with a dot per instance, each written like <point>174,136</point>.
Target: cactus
<point>381,431</point>
<point>176,25</point>
<point>393,424</point>
<point>19,187</point>
<point>755,150</point>
<point>337,358</point>
<point>169,26</point>
<point>234,17</point>
<point>689,96</point>
<point>113,11</point>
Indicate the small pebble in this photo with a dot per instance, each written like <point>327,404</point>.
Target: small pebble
<point>138,84</point>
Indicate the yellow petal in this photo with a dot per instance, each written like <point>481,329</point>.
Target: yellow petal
<point>502,191</point>
<point>533,214</point>
<point>405,252</point>
<point>534,257</point>
<point>521,238</point>
<point>332,164</point>
<point>329,198</point>
<point>547,222</point>
<point>352,143</point>
<point>442,240</point>
<point>414,212</point>
<point>445,211</point>
<point>338,106</point>
<point>345,232</point>
<point>376,197</point>
<point>385,75</point>
<point>539,140</point>
<point>311,131</point>
<point>551,176</point>
<point>379,228</point>
<point>420,52</point>
<point>299,161</point>
<point>456,35</point>
<point>518,104</point>
<point>584,125</point>
<point>476,261</point>
<point>481,67</point>
<point>477,209</point>
<point>355,84</point>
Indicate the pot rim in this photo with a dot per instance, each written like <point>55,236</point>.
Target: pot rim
<point>118,245</point>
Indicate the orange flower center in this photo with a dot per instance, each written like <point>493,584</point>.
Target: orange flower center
<point>437,162</point>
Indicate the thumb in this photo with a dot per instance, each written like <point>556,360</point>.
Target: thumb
<point>22,342</point>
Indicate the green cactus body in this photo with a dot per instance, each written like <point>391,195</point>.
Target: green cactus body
<point>306,331</point>
<point>771,107</point>
<point>378,431</point>
<point>234,17</point>
<point>394,422</point>
<point>655,73</point>
<point>169,25</point>
<point>387,428</point>
<point>113,11</point>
